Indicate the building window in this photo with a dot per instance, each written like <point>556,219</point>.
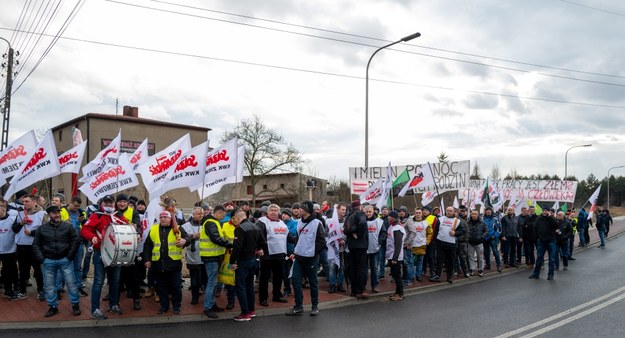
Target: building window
<point>281,185</point>
<point>264,187</point>
<point>249,190</point>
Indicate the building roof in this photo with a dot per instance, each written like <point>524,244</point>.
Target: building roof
<point>123,118</point>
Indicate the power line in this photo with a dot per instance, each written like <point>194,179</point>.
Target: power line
<point>310,71</point>
<point>593,8</point>
<point>384,40</point>
<point>372,46</point>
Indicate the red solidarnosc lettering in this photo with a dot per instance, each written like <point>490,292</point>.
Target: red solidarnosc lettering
<point>112,150</point>
<point>67,158</point>
<point>103,176</point>
<point>218,157</point>
<point>13,154</point>
<point>36,158</point>
<point>279,230</point>
<point>187,162</point>
<point>135,158</point>
<point>163,163</point>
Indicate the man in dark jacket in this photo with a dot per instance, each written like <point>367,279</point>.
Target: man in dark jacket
<point>563,234</point>
<point>603,222</point>
<point>309,242</point>
<point>162,252</point>
<point>477,233</point>
<point>510,237</point>
<point>54,246</point>
<point>545,228</point>
<point>248,243</point>
<point>357,238</point>
<point>526,222</point>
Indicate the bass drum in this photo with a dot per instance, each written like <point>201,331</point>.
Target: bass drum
<point>119,246</point>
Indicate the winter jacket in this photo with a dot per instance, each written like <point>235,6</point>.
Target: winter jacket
<point>477,231</point>
<point>55,241</point>
<point>356,224</point>
<point>509,226</point>
<point>493,226</point>
<point>566,231</point>
<point>545,228</point>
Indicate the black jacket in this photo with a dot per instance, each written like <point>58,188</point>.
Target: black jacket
<point>477,231</point>
<point>527,227</point>
<point>247,239</point>
<point>545,228</point>
<point>566,231</point>
<point>55,241</point>
<point>356,224</point>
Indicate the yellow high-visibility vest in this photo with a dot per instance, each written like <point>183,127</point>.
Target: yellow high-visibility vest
<point>207,247</point>
<point>174,252</point>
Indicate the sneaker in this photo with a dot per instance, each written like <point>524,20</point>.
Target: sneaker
<point>332,289</point>
<point>295,311</point>
<point>161,311</point>
<point>243,318</point>
<point>10,294</point>
<point>565,268</point>
<point>76,309</point>
<point>136,304</point>
<point>480,273</point>
<point>375,290</point>
<point>549,277</point>
<point>176,311</point>
<point>397,297</point>
<point>314,312</point>
<point>533,277</point>
<point>51,312</point>
<point>115,309</point>
<point>253,314</point>
<point>98,315</point>
<point>217,308</point>
<point>499,269</point>
<point>82,292</point>
<point>20,296</point>
<point>363,295</point>
<point>434,278</point>
<point>210,314</point>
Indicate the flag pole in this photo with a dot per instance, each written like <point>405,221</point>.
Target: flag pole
<point>208,140</point>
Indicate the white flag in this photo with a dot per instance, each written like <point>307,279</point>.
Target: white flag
<point>422,177</point>
<point>105,157</point>
<point>154,170</point>
<point>593,201</point>
<point>15,154</point>
<point>427,197</point>
<point>456,205</point>
<point>207,191</point>
<point>71,160</point>
<point>43,163</point>
<point>386,188</point>
<point>332,242</point>
<point>222,167</point>
<point>140,155</point>
<point>111,179</point>
<point>556,206</point>
<point>188,170</point>
<point>373,194</point>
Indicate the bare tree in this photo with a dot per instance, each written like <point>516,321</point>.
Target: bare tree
<point>266,151</point>
<point>476,173</point>
<point>494,173</point>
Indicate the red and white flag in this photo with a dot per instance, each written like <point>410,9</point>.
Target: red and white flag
<point>593,201</point>
<point>41,164</point>
<point>154,170</point>
<point>427,197</point>
<point>221,166</point>
<point>140,155</point>
<point>422,177</point>
<point>113,178</point>
<point>105,157</point>
<point>15,154</point>
<point>70,161</point>
<point>188,171</point>
<point>374,193</point>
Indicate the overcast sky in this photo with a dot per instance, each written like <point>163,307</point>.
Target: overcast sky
<point>506,83</point>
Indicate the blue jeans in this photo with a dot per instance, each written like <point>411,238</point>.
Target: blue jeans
<point>337,274</point>
<point>212,267</point>
<point>541,247</point>
<point>582,235</point>
<point>244,284</point>
<point>491,245</point>
<point>305,267</point>
<point>86,263</point>
<point>419,265</point>
<point>50,268</point>
<point>408,266</point>
<point>382,260</point>
<point>601,236</point>
<point>563,251</point>
<point>373,267</point>
<point>114,273</point>
<point>77,262</point>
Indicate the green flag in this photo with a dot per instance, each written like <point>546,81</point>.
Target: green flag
<point>537,209</point>
<point>402,178</point>
<point>564,208</point>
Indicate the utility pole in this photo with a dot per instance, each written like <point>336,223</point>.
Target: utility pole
<point>7,100</point>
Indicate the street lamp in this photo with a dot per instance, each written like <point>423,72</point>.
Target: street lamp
<point>404,39</point>
<point>310,186</point>
<point>4,139</point>
<point>621,166</point>
<point>566,154</point>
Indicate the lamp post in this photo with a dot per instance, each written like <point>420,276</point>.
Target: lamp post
<point>404,39</point>
<point>310,186</point>
<point>567,153</point>
<point>4,138</point>
<point>621,166</point>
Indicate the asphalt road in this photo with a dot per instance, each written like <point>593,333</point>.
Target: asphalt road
<point>586,300</point>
